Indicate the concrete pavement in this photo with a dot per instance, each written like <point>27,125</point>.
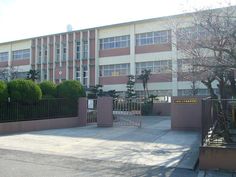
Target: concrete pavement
<point>153,150</point>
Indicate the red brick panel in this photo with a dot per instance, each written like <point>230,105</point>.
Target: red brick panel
<point>63,73</point>
<point>92,48</point>
<point>51,74</point>
<point>185,76</point>
<point>92,75</point>
<point>162,77</point>
<point>113,80</point>
<point>114,52</point>
<point>33,55</point>
<point>70,73</point>
<point>70,51</point>
<point>153,48</point>
<point>21,62</point>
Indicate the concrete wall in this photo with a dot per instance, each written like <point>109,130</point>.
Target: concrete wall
<point>186,113</point>
<point>163,108</point>
<point>54,123</point>
<point>211,158</point>
<point>104,111</point>
<point>36,125</point>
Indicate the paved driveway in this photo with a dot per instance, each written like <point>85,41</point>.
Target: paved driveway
<point>154,146</point>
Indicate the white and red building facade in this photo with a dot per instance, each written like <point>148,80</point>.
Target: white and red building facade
<point>106,55</point>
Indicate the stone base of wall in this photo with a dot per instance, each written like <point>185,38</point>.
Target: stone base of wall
<point>36,125</point>
<point>186,113</point>
<point>214,158</point>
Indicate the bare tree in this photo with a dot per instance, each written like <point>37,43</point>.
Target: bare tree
<point>8,73</point>
<point>211,44</point>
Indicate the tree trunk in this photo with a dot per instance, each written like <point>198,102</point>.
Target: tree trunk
<point>232,83</point>
<point>207,83</point>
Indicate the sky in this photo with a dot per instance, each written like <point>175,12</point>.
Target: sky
<point>20,19</point>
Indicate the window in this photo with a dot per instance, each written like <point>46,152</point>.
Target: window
<point>191,33</point>
<point>189,65</point>
<point>21,54</point>
<point>115,42</point>
<point>21,75</point>
<point>85,75</point>
<point>77,50</point>
<point>151,38</point>
<point>4,56</point>
<point>85,49</point>
<point>45,55</point>
<point>57,52</point>
<point>77,74</point>
<point>115,70</point>
<point>163,66</point>
<point>44,72</point>
<point>39,55</point>
<point>64,52</point>
<point>184,65</point>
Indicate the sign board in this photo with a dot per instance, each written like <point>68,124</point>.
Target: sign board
<point>90,104</point>
<point>186,101</point>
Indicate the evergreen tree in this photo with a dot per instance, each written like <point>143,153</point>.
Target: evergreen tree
<point>33,75</point>
<point>130,93</point>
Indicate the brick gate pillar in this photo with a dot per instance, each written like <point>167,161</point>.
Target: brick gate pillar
<point>104,111</point>
<point>82,109</point>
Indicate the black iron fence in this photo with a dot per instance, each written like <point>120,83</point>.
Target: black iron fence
<point>218,118</point>
<point>43,109</point>
<point>127,112</point>
<point>92,111</point>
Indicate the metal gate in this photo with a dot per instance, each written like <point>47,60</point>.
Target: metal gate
<point>127,112</point>
<point>92,111</point>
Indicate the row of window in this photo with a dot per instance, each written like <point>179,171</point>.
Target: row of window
<point>115,42</point>
<point>151,38</point>
<point>115,70</point>
<point>84,77</point>
<point>156,67</point>
<point>21,54</point>
<point>16,55</point>
<point>64,52</point>
<point>191,33</point>
<point>4,56</point>
<point>163,66</point>
<point>84,50</point>
<point>154,38</point>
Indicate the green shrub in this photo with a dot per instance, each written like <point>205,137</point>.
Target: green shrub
<point>48,89</point>
<point>70,89</point>
<point>3,92</point>
<point>25,91</point>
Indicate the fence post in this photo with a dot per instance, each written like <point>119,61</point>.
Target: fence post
<point>202,120</point>
<point>105,111</point>
<point>82,111</point>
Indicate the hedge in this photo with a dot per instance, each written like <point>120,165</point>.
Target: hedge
<point>48,88</point>
<point>3,92</point>
<point>70,89</point>
<point>25,91</point>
